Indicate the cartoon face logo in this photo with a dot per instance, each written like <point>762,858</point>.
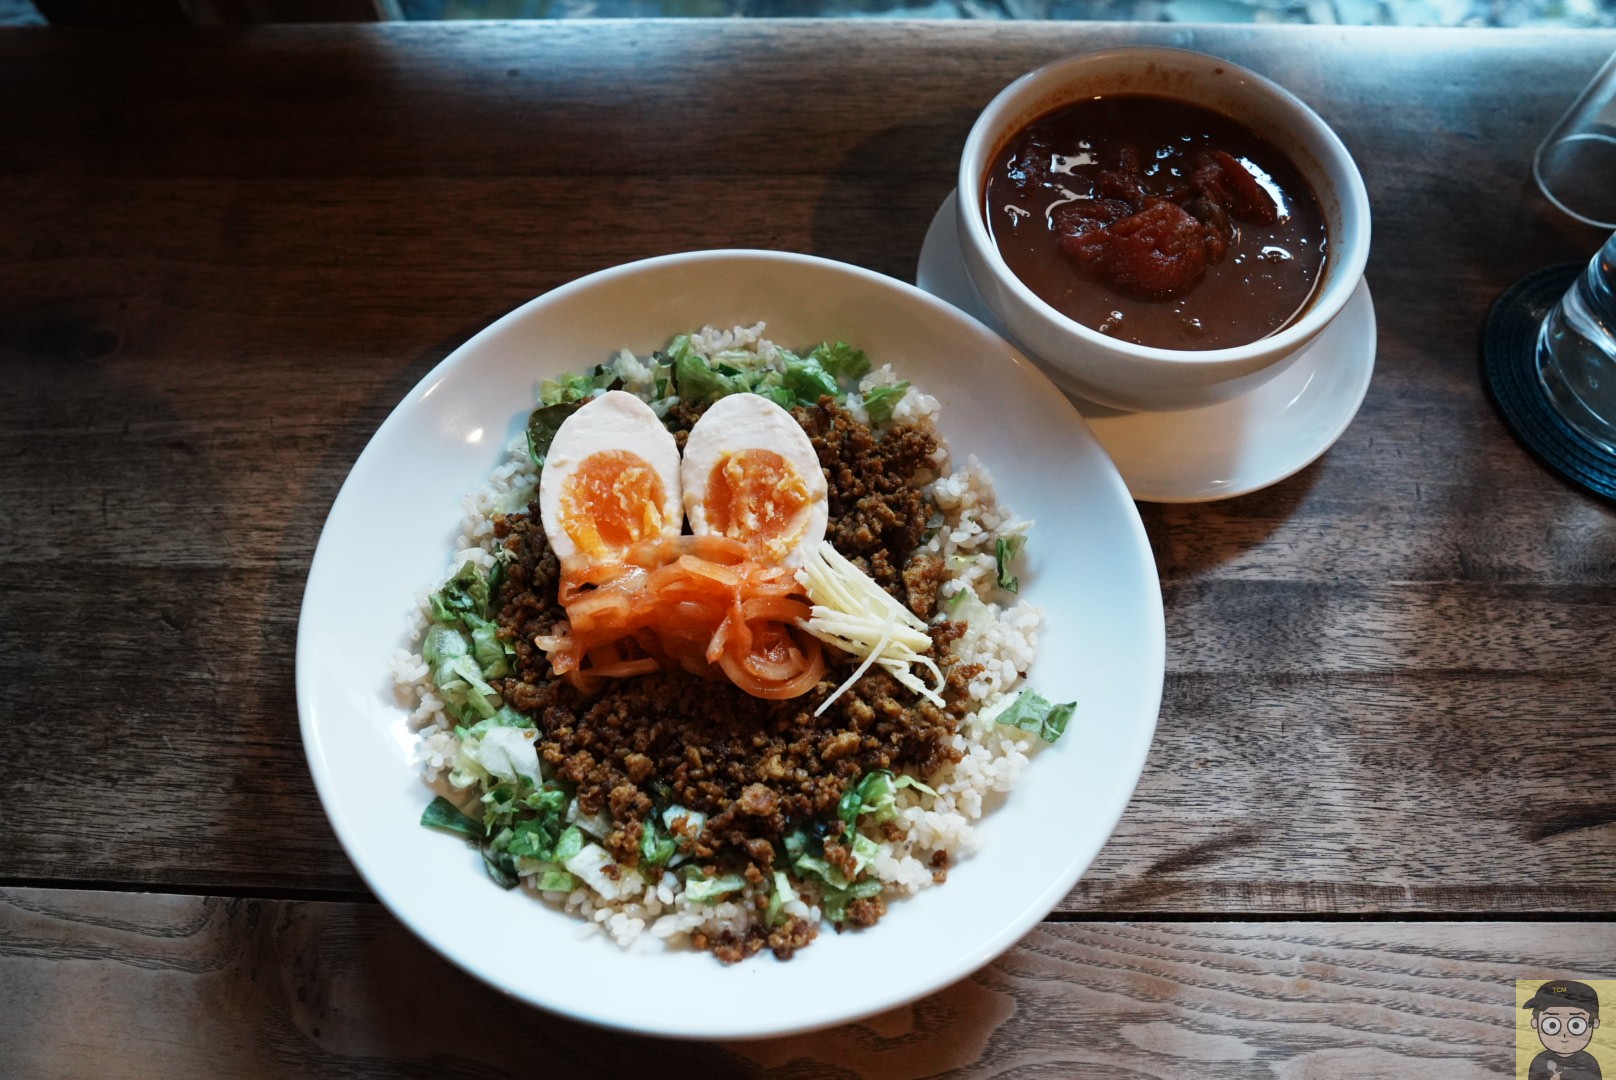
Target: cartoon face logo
<point>1564,1029</point>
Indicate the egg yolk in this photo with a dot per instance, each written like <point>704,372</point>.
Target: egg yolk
<point>758,498</point>
<point>612,500</point>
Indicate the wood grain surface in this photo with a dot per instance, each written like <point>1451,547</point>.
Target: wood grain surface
<point>203,986</point>
<point>225,256</point>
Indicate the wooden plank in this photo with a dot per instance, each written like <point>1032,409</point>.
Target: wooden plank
<point>138,986</point>
<point>1367,793</point>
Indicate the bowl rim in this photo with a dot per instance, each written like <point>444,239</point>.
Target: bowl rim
<point>1350,244</point>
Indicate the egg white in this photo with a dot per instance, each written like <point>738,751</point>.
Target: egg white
<point>751,422</point>
<point>613,421</point>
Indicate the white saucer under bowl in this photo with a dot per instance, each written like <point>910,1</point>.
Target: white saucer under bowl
<point>1217,451</point>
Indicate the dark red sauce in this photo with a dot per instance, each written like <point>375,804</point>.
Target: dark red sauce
<point>1157,222</point>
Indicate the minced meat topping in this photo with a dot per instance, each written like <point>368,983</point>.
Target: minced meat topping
<point>756,768</point>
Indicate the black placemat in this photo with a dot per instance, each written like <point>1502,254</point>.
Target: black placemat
<point>1509,368</point>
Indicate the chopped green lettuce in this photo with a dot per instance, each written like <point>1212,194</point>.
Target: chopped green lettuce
<point>442,644</point>
<point>501,866</point>
<point>835,901</point>
<point>864,852</point>
<point>875,794</point>
<point>798,842</point>
<point>808,381</point>
<point>492,654</point>
<point>787,379</point>
<point>567,389</point>
<point>818,866</point>
<point>780,395</point>
<point>547,876</point>
<point>783,894</point>
<point>531,838</point>
<point>879,401</point>
<point>1031,711</point>
<point>838,891</point>
<point>542,425</point>
<point>701,889</point>
<point>466,593</point>
<point>457,674</point>
<point>505,752</point>
<point>656,846</point>
<point>498,747</point>
<point>1005,550</point>
<point>465,694</point>
<point>550,799</point>
<point>570,844</point>
<point>440,813</point>
<point>845,364</point>
<point>694,379</point>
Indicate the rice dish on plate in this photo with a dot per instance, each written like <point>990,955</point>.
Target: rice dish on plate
<point>572,772</point>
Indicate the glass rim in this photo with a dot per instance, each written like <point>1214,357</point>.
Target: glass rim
<point>1577,121</point>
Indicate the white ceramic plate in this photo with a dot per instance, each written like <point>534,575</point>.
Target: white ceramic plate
<point>1218,451</point>
<point>390,533</point>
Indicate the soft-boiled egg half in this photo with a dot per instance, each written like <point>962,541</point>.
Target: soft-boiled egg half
<point>610,479</point>
<point>750,473</point>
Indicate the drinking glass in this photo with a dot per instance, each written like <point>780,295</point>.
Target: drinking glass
<point>1575,168</point>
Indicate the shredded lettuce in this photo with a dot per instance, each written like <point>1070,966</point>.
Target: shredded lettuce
<point>836,900</point>
<point>838,891</point>
<point>569,845</point>
<point>458,677</point>
<point>460,681</point>
<point>879,401</point>
<point>594,866</point>
<point>864,852</point>
<point>442,644</point>
<point>567,389</point>
<point>701,889</point>
<point>797,842</point>
<point>440,813</point>
<point>780,395</point>
<point>507,753</point>
<point>1031,711</point>
<point>466,593</point>
<point>875,794</point>
<point>697,381</point>
<point>501,866</point>
<point>786,379</point>
<point>491,653</point>
<point>817,865</point>
<point>783,894</point>
<point>656,846</point>
<point>498,747</point>
<point>845,364</point>
<point>806,379</point>
<point>1005,550</point>
<point>547,876</point>
<point>597,825</point>
<point>542,425</point>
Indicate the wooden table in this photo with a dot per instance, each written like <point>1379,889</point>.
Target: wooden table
<point>1380,788</point>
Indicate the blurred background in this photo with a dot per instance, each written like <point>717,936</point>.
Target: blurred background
<point>1569,14</point>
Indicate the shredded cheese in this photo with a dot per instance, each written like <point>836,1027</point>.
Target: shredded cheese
<point>853,613</point>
